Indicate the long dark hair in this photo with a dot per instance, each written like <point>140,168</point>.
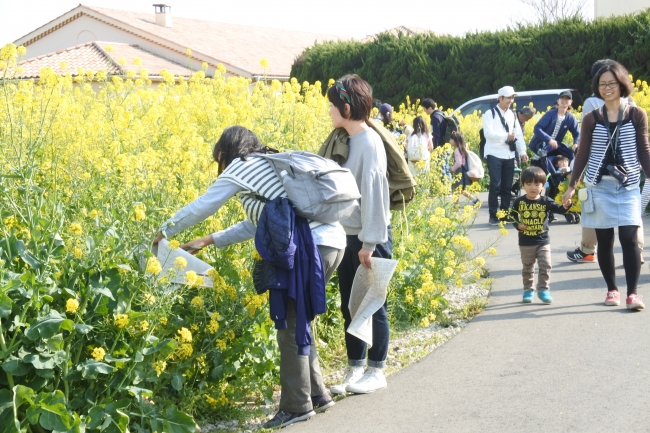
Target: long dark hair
<point>459,139</point>
<point>420,126</point>
<point>237,142</point>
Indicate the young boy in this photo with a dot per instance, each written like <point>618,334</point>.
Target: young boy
<point>554,179</point>
<point>530,214</point>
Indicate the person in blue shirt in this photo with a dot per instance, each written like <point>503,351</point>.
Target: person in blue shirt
<point>551,129</point>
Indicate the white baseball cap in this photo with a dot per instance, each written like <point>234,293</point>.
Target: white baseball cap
<point>507,91</point>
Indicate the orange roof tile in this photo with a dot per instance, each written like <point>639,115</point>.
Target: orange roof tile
<point>92,56</point>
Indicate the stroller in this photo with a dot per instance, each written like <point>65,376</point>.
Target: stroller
<point>546,161</point>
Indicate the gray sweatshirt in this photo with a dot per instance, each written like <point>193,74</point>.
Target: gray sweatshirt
<point>367,162</point>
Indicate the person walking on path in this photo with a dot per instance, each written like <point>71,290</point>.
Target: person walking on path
<point>461,163</point>
<point>368,229</point>
<point>419,146</point>
<point>614,144</point>
<point>251,177</point>
<point>503,137</point>
<point>530,217</point>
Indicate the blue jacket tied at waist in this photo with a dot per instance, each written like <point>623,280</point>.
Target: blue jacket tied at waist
<point>294,268</point>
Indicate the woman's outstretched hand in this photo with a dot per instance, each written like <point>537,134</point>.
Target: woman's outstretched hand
<point>566,198</point>
<point>193,247</point>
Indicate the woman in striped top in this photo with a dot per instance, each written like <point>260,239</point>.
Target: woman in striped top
<point>251,177</point>
<point>613,148</point>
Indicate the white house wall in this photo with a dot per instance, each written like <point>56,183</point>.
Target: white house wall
<point>86,29</point>
<point>607,8</point>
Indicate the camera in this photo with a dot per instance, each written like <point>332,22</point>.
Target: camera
<point>512,144</point>
<point>618,172</point>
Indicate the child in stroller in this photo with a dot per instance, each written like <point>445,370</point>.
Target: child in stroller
<point>556,167</point>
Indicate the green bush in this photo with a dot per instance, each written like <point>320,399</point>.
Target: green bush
<point>453,69</point>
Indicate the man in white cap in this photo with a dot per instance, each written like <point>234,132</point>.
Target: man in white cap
<point>503,136</point>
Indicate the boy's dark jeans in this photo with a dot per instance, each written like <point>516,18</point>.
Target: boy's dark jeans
<point>356,348</point>
<point>501,172</point>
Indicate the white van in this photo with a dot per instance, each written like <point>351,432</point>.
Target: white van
<point>541,99</point>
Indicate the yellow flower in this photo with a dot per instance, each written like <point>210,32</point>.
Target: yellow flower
<point>98,353</point>
<point>213,326</point>
<point>153,266</point>
<point>256,255</point>
<point>502,213</point>
<point>149,299</point>
<point>184,335</point>
<point>159,367</point>
<point>21,51</point>
<point>480,262</point>
<point>180,263</point>
<point>174,244</point>
<point>220,344</point>
<point>163,321</point>
<point>491,251</point>
<point>121,320</point>
<point>204,66</point>
<point>188,52</point>
<point>108,48</point>
<point>184,351</point>
<point>264,62</point>
<point>71,305</point>
<point>76,229</point>
<point>77,252</point>
<point>425,323</point>
<point>137,61</point>
<point>94,213</point>
<point>503,231</point>
<point>144,325</point>
<point>197,302</point>
<point>190,278</point>
<point>139,212</point>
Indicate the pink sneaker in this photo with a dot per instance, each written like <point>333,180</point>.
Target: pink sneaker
<point>634,302</point>
<point>613,298</point>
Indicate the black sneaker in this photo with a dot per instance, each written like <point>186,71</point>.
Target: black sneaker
<point>578,256</point>
<point>322,402</point>
<point>284,418</point>
<point>494,221</point>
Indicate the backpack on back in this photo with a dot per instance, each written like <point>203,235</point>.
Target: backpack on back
<point>481,143</point>
<point>451,126</point>
<point>319,189</point>
<point>417,148</point>
<point>475,170</point>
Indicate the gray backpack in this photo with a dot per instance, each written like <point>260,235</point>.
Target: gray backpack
<point>319,189</point>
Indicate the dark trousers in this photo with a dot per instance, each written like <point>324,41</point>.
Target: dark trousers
<point>356,348</point>
<point>501,174</point>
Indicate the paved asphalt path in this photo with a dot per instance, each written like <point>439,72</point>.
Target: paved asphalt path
<point>572,366</point>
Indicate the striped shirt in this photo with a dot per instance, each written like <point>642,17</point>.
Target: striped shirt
<point>633,147</point>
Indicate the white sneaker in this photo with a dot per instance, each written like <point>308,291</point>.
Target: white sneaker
<point>352,375</point>
<point>372,380</point>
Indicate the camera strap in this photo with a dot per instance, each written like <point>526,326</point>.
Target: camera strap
<point>611,136</point>
<point>503,120</point>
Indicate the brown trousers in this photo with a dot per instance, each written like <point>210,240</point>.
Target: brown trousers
<point>542,255</point>
<point>300,376</point>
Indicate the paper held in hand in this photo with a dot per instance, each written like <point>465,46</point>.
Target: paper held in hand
<point>368,294</point>
<point>166,257</point>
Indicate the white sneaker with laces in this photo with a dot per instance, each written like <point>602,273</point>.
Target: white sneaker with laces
<point>373,379</point>
<point>352,375</point>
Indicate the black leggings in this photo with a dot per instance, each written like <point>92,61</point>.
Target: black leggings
<point>627,235</point>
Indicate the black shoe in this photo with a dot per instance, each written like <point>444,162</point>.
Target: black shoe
<point>322,402</point>
<point>578,256</point>
<point>284,418</point>
<point>494,221</point>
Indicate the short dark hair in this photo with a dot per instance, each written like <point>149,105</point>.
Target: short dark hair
<point>599,64</point>
<point>560,158</point>
<point>428,103</point>
<point>528,110</point>
<point>236,142</point>
<point>533,175</point>
<point>356,92</point>
<point>620,74</point>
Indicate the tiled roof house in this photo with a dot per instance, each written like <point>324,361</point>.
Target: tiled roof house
<point>162,42</point>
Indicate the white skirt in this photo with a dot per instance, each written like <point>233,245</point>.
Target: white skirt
<point>615,205</point>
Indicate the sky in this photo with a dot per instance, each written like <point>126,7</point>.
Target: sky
<point>339,17</point>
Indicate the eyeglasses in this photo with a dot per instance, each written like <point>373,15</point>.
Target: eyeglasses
<point>610,85</point>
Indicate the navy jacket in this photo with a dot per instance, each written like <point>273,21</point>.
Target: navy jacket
<point>438,127</point>
<point>546,125</point>
<point>298,269</point>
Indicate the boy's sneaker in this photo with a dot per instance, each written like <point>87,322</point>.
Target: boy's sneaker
<point>373,379</point>
<point>322,402</point>
<point>352,375</point>
<point>494,221</point>
<point>578,256</point>
<point>613,298</point>
<point>545,296</point>
<point>634,302</point>
<point>528,296</point>
<point>284,418</point>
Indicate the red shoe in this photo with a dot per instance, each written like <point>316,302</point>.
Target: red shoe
<point>634,302</point>
<point>613,298</point>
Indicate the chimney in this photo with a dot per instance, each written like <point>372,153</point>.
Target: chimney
<point>163,15</point>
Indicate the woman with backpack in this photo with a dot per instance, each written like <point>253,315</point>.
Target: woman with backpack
<point>255,181</point>
<point>461,162</point>
<point>419,146</point>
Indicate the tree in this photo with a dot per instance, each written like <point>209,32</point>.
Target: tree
<point>548,11</point>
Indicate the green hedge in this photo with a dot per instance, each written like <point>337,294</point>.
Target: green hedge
<point>454,69</point>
